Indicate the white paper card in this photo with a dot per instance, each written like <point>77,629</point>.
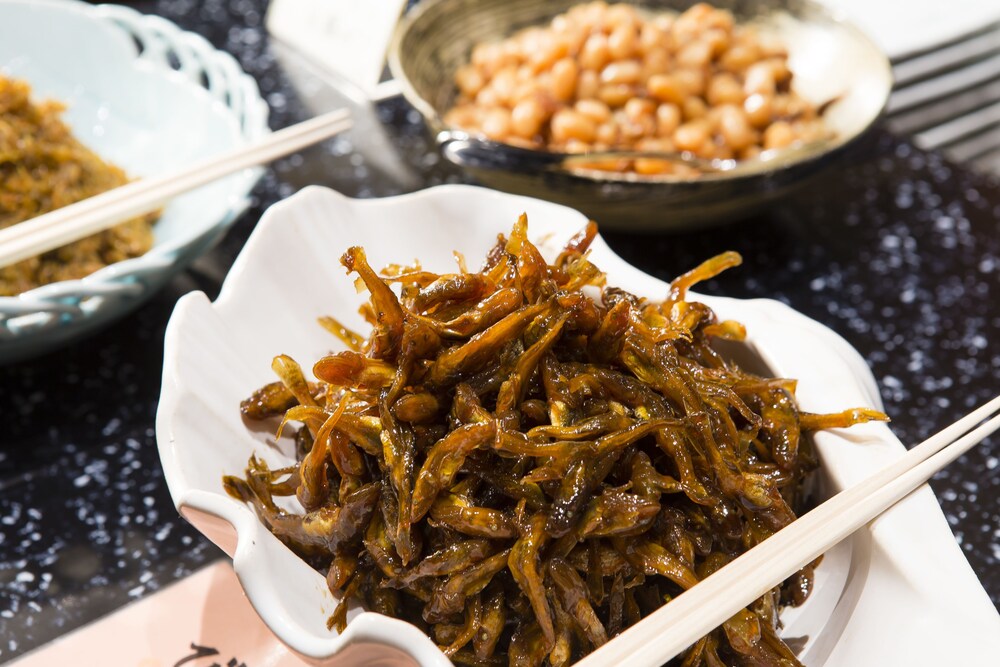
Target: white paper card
<point>349,37</point>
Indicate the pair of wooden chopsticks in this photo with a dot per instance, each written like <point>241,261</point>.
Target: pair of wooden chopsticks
<point>89,216</point>
<point>677,625</point>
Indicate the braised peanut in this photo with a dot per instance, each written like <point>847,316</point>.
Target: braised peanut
<point>610,76</point>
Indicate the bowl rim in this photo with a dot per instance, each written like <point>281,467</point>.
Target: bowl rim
<point>796,157</point>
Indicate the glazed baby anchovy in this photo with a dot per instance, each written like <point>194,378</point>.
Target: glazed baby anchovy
<point>523,471</point>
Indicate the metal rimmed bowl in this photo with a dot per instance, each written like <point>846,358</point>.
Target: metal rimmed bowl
<point>829,58</point>
<point>150,98</point>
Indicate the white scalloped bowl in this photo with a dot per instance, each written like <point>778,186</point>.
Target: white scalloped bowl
<point>899,592</point>
<point>150,98</point>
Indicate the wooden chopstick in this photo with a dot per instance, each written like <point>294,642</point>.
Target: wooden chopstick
<point>683,621</point>
<point>89,216</point>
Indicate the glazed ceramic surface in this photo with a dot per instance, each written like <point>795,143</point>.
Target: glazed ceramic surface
<point>150,98</point>
<point>897,592</point>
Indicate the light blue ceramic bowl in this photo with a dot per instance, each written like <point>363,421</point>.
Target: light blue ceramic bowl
<point>150,98</point>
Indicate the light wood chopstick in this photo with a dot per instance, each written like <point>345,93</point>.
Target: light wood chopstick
<point>693,614</point>
<point>89,216</point>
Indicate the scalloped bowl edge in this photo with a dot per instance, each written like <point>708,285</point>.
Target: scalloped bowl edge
<point>841,378</point>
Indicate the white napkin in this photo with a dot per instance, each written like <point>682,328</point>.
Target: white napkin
<point>902,27</point>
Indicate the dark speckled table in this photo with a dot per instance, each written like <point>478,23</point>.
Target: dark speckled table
<point>899,253</point>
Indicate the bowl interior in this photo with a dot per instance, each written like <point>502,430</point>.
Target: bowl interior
<point>830,59</point>
<point>145,118</point>
<point>218,353</point>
